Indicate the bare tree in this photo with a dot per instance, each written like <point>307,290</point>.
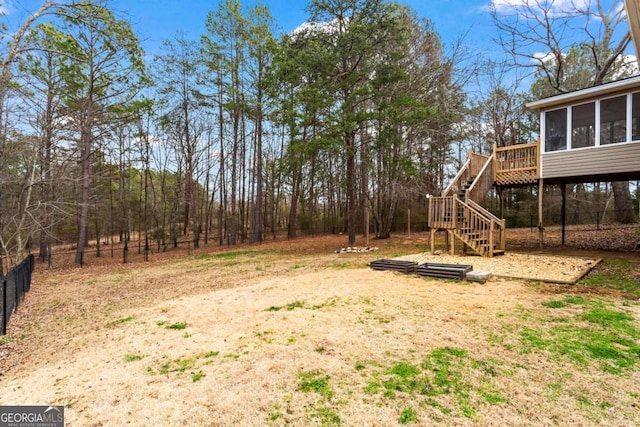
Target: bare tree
<point>538,35</point>
<point>541,35</point>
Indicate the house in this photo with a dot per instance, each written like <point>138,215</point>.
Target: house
<point>589,135</point>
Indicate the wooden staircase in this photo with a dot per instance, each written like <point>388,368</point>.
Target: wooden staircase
<point>462,217</point>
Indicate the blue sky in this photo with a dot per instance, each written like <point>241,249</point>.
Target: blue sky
<point>160,19</point>
<point>156,20</point>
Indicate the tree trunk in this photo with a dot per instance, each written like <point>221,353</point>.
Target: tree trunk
<point>351,188</point>
<point>293,211</point>
<point>623,204</point>
<point>85,164</point>
<point>259,211</point>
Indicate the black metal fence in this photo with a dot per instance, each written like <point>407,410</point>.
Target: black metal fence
<point>14,285</point>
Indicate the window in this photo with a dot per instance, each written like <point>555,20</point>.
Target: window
<point>555,134</point>
<point>635,117</point>
<point>583,125</point>
<point>613,120</point>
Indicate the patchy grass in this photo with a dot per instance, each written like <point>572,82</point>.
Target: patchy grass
<point>120,321</point>
<point>237,254</point>
<point>440,381</point>
<point>133,357</point>
<point>597,335</point>
<point>361,348</point>
<point>178,326</point>
<point>317,382</point>
<point>197,376</point>
<point>408,415</point>
<point>619,274</point>
<point>288,307</point>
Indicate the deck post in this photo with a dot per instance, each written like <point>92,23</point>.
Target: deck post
<point>452,241</point>
<point>540,226</point>
<point>491,238</point>
<point>433,239</point>
<point>563,191</point>
<point>495,162</point>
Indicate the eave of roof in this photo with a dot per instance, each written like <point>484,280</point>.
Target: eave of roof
<point>594,92</point>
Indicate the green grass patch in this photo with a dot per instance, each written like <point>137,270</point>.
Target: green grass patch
<point>619,274</point>
<point>331,302</point>
<point>197,376</point>
<point>232,356</point>
<point>133,357</point>
<point>120,321</point>
<point>274,416</point>
<point>288,307</point>
<point>342,265</point>
<point>326,416</point>
<point>440,381</point>
<point>598,335</point>
<point>236,254</point>
<point>565,302</point>
<point>5,340</point>
<point>317,382</point>
<point>172,366</point>
<point>178,326</point>
<point>408,415</point>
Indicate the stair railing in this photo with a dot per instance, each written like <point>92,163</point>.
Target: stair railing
<point>457,182</point>
<point>482,182</point>
<point>475,220</point>
<point>499,225</point>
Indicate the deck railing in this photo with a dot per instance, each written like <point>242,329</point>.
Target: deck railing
<point>471,223</point>
<point>517,164</point>
<point>469,171</point>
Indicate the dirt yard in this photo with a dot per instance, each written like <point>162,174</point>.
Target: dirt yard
<point>295,334</point>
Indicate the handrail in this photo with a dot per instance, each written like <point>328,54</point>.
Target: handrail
<point>462,170</point>
<point>516,146</point>
<point>444,213</point>
<point>528,161</point>
<point>477,179</point>
<point>486,213</point>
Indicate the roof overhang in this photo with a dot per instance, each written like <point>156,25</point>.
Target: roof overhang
<point>633,18</point>
<point>583,95</point>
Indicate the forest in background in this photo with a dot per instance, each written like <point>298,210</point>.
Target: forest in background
<point>246,134</point>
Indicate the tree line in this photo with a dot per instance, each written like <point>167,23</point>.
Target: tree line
<point>241,134</point>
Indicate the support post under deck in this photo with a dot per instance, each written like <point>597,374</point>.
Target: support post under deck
<point>540,225</point>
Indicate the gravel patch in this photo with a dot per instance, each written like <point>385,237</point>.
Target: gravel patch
<point>545,268</point>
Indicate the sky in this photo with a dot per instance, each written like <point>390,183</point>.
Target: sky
<point>454,20</point>
<point>157,20</point>
<point>160,19</point>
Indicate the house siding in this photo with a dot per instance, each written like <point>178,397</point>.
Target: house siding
<point>603,160</point>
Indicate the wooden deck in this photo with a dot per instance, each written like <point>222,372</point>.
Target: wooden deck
<point>458,209</point>
<point>517,164</point>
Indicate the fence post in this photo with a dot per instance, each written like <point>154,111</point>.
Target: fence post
<point>598,221</point>
<point>4,306</point>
